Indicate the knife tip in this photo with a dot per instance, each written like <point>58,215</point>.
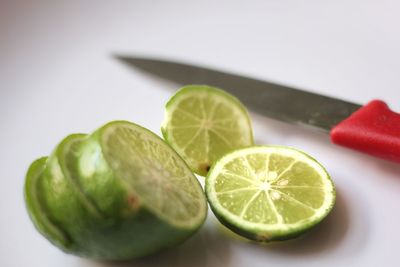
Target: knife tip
<point>137,61</point>
<point>121,57</point>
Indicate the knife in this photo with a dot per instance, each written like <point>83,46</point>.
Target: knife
<point>372,128</point>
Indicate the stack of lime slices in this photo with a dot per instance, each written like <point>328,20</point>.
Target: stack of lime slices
<point>261,192</point>
<point>119,193</point>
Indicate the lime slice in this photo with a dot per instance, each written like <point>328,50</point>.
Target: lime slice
<point>66,203</point>
<point>203,123</point>
<point>119,193</point>
<point>269,192</point>
<point>37,211</point>
<point>155,173</point>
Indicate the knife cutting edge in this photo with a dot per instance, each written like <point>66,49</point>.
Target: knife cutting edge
<point>373,128</point>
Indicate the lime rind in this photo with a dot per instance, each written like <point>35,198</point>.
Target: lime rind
<point>37,210</point>
<point>202,137</point>
<point>83,160</point>
<point>59,160</point>
<point>67,204</point>
<point>273,231</point>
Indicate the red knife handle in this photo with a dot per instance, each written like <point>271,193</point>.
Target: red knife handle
<point>373,129</point>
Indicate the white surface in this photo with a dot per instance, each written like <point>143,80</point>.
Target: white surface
<point>57,76</point>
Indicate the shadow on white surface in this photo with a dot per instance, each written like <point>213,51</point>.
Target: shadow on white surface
<point>390,168</point>
<point>211,246</point>
<point>208,247</point>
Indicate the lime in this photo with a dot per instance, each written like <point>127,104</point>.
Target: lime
<point>269,193</point>
<point>35,208</point>
<point>155,173</point>
<point>203,123</point>
<point>119,193</point>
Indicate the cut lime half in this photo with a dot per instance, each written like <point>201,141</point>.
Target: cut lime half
<point>203,123</point>
<point>269,192</point>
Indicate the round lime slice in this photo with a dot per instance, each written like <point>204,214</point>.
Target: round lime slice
<point>203,123</point>
<point>269,192</point>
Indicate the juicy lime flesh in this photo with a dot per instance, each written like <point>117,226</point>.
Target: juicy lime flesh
<point>155,173</point>
<point>272,189</point>
<point>203,123</point>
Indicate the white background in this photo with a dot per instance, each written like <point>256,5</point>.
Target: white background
<point>57,76</point>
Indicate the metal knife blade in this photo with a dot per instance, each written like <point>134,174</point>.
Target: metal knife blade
<point>266,98</point>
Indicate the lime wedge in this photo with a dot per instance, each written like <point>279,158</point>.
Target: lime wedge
<point>119,193</point>
<point>203,123</point>
<point>269,193</point>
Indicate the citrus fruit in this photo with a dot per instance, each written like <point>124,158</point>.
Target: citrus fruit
<point>203,123</point>
<point>269,193</point>
<point>119,193</point>
<point>36,210</point>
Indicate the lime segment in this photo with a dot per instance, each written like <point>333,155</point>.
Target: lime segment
<point>269,192</point>
<point>203,123</point>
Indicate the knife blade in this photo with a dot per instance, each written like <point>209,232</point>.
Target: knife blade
<point>373,129</point>
<point>266,98</point>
